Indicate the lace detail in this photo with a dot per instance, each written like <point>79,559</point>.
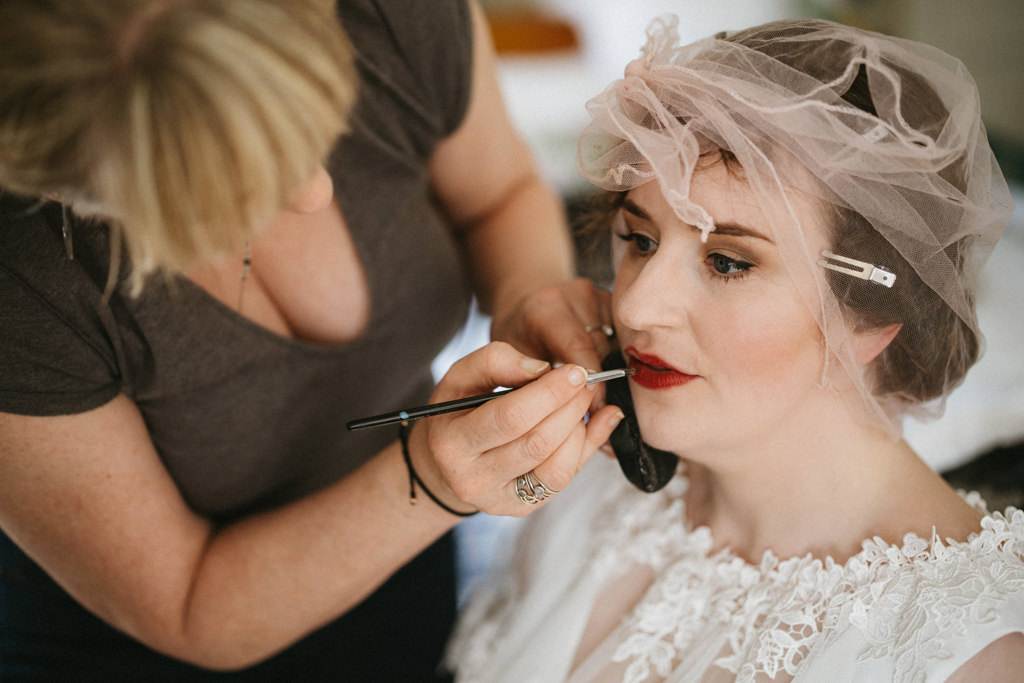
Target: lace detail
<point>909,601</point>
<point>710,611</point>
<point>925,594</point>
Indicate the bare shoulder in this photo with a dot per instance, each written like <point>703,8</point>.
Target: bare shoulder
<point>953,517</point>
<point>925,504</point>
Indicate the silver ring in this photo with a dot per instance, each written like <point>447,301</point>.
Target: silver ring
<point>606,330</point>
<point>532,490</point>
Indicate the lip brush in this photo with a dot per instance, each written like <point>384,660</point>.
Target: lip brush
<point>462,403</point>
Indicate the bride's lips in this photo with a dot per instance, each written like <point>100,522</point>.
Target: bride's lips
<point>651,372</point>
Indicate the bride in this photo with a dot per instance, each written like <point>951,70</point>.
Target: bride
<point>798,213</point>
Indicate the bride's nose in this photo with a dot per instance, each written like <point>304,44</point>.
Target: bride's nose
<point>655,297</point>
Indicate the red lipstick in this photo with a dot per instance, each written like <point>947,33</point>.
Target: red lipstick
<point>651,372</point>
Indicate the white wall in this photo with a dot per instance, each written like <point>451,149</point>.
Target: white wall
<point>612,31</point>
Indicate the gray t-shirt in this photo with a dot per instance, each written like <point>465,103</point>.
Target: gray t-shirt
<point>242,418</point>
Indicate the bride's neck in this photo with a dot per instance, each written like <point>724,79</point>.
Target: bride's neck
<point>821,494</point>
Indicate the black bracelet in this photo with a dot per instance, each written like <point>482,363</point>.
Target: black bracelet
<point>403,435</point>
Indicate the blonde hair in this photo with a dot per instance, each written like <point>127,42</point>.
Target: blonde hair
<point>187,124</point>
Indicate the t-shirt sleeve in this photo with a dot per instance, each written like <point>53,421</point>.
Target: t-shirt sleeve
<point>46,366</point>
<point>415,58</point>
<point>56,353</point>
<point>439,39</point>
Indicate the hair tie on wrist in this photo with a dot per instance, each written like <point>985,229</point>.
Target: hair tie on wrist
<point>403,435</point>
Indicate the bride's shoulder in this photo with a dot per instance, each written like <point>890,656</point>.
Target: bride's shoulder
<point>933,602</point>
<point>947,582</point>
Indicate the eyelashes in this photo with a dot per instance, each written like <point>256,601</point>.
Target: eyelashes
<point>642,243</point>
<point>728,267</point>
<point>719,265</point>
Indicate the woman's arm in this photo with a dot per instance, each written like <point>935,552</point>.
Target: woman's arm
<point>514,228</point>
<point>87,497</point>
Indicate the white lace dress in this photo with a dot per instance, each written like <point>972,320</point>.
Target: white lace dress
<point>914,612</point>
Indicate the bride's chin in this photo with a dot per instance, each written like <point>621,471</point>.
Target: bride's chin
<point>665,437</point>
<point>664,423</point>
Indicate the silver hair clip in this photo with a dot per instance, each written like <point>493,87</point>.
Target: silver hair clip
<point>865,271</point>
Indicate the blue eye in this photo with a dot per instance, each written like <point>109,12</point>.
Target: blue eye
<point>723,265</point>
<point>643,243</point>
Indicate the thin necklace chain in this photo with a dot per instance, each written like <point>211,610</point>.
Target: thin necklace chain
<point>246,266</point>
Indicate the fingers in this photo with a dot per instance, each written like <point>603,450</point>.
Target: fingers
<point>554,452</point>
<point>494,365</point>
<point>576,324</point>
<point>553,323</point>
<point>592,307</point>
<point>599,429</point>
<point>561,463</point>
<point>528,423</point>
<point>559,397</point>
<point>556,471</point>
<point>548,436</point>
<point>478,458</point>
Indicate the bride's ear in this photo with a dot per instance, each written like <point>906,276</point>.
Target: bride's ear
<point>867,345</point>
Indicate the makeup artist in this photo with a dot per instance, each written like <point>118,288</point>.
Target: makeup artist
<point>226,227</point>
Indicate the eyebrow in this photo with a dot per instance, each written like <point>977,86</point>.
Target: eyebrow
<point>730,229</point>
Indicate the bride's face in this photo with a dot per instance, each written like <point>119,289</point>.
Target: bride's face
<point>724,348</point>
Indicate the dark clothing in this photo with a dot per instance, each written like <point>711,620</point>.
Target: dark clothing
<point>396,635</point>
<point>243,419</point>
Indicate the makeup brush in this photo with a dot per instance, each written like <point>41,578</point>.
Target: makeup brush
<point>463,403</point>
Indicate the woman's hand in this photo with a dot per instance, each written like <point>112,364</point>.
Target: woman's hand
<point>566,323</point>
<point>471,460</point>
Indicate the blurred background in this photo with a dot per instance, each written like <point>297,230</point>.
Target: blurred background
<point>556,54</point>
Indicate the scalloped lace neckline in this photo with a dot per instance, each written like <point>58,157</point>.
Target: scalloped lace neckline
<point>668,506</point>
<point>765,618</point>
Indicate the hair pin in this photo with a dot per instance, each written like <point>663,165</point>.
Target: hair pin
<point>862,270</point>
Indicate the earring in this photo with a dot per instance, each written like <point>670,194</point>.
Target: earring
<point>69,247</point>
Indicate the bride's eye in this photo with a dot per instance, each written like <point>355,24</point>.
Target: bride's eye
<point>727,267</point>
<point>642,243</point>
